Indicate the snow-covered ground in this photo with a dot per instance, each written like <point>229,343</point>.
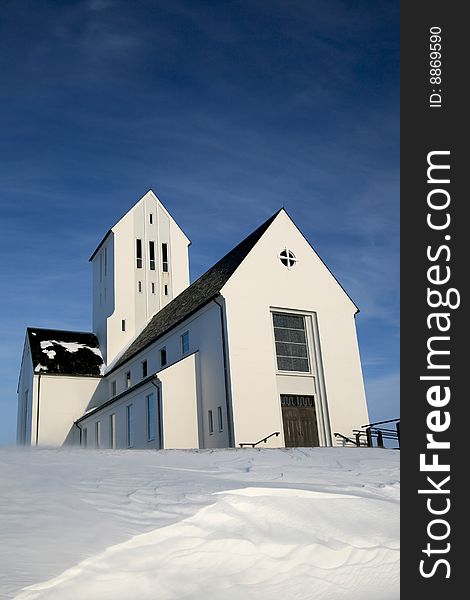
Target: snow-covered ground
<point>300,524</point>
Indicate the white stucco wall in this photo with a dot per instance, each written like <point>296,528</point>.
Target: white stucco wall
<point>180,404</point>
<point>124,294</point>
<point>58,401</point>
<point>205,338</point>
<point>25,397</point>
<point>262,284</point>
<point>103,290</point>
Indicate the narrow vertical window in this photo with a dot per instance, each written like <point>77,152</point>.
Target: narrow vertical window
<point>153,288</point>
<point>113,389</point>
<point>152,256</point>
<point>84,437</point>
<point>211,422</point>
<point>97,434</point>
<point>163,359</point>
<point>128,379</point>
<point>151,417</point>
<point>105,260</point>
<point>101,266</point>
<point>123,325</point>
<point>150,218</point>
<point>165,258</point>
<point>144,368</point>
<point>112,431</point>
<point>185,342</point>
<point>139,286</point>
<point>219,415</point>
<point>138,253</point>
<point>166,289</point>
<point>130,426</point>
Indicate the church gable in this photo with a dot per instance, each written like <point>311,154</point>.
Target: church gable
<point>292,334</point>
<point>284,258</point>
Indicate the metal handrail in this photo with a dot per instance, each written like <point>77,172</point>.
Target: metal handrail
<point>344,437</point>
<point>379,434</point>
<point>380,423</point>
<point>276,433</point>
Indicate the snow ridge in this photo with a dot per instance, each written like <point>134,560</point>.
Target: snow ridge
<point>191,525</point>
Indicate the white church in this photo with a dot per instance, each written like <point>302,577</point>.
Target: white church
<point>262,347</point>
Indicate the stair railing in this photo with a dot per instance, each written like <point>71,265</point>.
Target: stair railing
<point>265,439</point>
<point>370,433</point>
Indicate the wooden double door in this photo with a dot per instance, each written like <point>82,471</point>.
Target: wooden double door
<point>300,421</point>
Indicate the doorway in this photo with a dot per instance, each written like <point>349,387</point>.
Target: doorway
<point>300,421</point>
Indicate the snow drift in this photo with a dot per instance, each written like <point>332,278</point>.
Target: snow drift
<point>224,524</point>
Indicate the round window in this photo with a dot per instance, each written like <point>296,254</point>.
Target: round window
<point>287,257</point>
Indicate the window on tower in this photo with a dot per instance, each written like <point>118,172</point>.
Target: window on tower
<point>165,258</point>
<point>152,255</point>
<point>138,253</point>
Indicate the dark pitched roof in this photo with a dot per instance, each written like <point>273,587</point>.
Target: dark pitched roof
<point>100,244</point>
<point>65,352</point>
<point>194,297</point>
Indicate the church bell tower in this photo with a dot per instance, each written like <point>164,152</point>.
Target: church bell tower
<point>140,265</point>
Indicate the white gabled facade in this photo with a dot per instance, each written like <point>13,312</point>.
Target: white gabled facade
<point>263,343</point>
<point>309,290</point>
<point>139,267</point>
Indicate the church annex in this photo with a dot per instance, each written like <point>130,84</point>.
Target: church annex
<point>263,344</point>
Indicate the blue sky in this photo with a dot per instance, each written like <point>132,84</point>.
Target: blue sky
<point>227,110</point>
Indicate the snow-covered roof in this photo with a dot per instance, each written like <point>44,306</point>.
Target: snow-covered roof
<point>59,352</point>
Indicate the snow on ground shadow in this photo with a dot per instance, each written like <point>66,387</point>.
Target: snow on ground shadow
<point>226,524</point>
